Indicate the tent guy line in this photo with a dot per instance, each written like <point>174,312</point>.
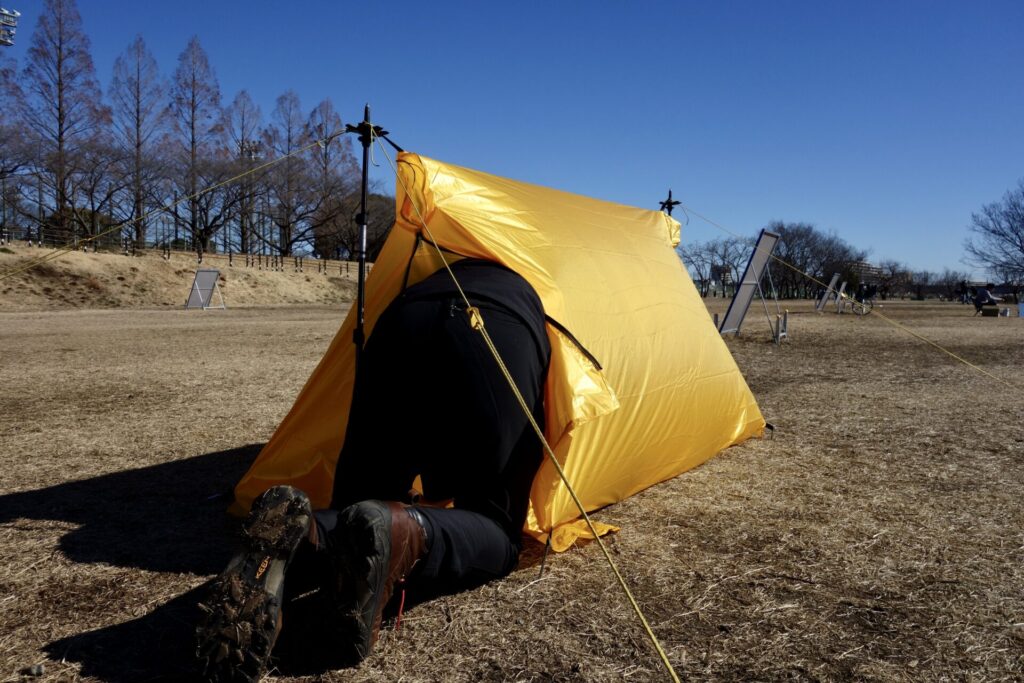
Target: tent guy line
<point>477,323</point>
<point>60,251</point>
<point>874,312</point>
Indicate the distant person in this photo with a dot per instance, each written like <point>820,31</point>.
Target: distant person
<point>862,292</point>
<point>985,297</point>
<point>865,294</point>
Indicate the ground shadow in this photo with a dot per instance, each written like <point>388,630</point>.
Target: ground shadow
<point>159,646</point>
<point>164,518</point>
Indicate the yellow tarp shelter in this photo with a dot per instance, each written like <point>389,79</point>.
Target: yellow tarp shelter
<point>667,395</point>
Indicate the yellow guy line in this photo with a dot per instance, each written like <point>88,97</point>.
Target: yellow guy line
<point>873,312</point>
<point>59,251</point>
<point>477,322</point>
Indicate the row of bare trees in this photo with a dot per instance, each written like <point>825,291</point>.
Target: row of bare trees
<point>802,251</point>
<point>806,257</point>
<point>75,165</point>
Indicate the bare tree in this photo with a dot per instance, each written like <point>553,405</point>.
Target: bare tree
<point>832,254</point>
<point>920,282</point>
<point>139,113</point>
<point>795,254</point>
<point>996,242</point>
<point>97,178</point>
<point>895,278</point>
<point>62,99</point>
<point>195,110</point>
<point>14,153</point>
<point>953,283</point>
<point>698,262</point>
<point>243,122</point>
<point>728,256</point>
<point>336,173</point>
<point>292,190</point>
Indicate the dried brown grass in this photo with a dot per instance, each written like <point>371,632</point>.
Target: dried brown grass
<point>878,536</point>
<point>146,280</point>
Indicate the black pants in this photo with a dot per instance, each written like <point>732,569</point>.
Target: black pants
<point>431,401</point>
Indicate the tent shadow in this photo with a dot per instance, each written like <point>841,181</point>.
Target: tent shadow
<point>164,518</point>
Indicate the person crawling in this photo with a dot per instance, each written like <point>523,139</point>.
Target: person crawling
<point>429,401</point>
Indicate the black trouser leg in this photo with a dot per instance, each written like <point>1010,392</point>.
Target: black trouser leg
<point>431,401</point>
<point>465,549</point>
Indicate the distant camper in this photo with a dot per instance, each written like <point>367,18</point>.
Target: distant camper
<point>985,297</point>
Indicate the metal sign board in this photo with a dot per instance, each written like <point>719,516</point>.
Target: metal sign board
<point>204,287</point>
<point>750,282</point>
<point>820,306</point>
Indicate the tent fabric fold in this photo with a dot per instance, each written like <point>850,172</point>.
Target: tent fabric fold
<point>668,394</point>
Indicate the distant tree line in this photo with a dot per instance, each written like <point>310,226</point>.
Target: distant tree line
<point>75,164</point>
<point>806,257</point>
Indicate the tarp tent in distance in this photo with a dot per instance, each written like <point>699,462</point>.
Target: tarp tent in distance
<point>666,397</point>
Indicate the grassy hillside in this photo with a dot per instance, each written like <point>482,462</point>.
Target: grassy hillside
<point>147,280</point>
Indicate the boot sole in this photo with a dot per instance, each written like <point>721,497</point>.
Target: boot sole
<point>242,610</point>
<point>364,557</point>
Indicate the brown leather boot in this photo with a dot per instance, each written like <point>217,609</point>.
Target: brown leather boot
<point>379,544</point>
<point>242,609</point>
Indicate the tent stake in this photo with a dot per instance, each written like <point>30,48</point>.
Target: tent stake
<point>544,558</point>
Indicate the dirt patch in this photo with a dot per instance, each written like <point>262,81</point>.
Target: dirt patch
<point>877,536</point>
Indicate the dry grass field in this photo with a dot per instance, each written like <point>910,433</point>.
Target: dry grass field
<point>878,536</point>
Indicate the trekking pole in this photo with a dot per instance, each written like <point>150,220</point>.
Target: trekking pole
<point>365,132</point>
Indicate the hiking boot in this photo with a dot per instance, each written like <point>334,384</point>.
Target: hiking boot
<point>243,608</point>
<point>378,545</point>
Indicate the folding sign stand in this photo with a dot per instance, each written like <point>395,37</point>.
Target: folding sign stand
<point>204,286</point>
<point>841,297</point>
<point>820,305</point>
<point>751,282</point>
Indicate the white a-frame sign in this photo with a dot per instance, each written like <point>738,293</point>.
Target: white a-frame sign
<point>204,287</point>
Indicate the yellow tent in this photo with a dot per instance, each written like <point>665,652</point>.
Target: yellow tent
<point>666,397</point>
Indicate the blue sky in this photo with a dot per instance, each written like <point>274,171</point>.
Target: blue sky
<point>887,123</point>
